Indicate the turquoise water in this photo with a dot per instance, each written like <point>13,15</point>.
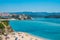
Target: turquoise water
<point>42,27</point>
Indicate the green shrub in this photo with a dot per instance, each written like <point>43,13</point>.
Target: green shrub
<point>6,23</point>
<point>1,26</point>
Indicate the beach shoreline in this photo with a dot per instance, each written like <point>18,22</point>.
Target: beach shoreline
<point>21,36</point>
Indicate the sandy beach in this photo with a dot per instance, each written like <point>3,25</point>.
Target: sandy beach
<point>20,36</point>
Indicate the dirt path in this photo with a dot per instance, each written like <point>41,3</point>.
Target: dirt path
<point>4,26</point>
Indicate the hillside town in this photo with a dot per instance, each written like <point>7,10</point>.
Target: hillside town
<point>14,16</point>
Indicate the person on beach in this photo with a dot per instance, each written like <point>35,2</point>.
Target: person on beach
<point>16,38</point>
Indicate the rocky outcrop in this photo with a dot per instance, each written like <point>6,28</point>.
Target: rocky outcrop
<point>24,17</point>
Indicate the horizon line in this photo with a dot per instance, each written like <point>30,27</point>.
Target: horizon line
<point>29,11</point>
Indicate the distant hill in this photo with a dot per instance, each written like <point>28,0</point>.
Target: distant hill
<point>39,14</point>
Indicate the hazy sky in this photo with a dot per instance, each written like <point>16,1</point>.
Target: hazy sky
<point>30,5</point>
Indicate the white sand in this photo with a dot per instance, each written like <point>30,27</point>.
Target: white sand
<point>22,36</point>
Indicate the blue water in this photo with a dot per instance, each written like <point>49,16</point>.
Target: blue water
<point>42,27</point>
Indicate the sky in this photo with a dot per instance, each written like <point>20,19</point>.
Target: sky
<point>30,5</point>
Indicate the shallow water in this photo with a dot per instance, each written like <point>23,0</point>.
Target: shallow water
<point>42,27</point>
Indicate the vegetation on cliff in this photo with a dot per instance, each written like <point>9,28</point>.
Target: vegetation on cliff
<point>1,26</point>
<point>6,23</point>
